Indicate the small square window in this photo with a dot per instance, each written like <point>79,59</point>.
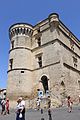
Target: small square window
<point>22,71</point>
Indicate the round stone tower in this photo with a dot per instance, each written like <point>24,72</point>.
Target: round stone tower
<point>20,71</point>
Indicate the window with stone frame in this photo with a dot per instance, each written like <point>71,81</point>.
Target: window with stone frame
<point>11,63</point>
<point>72,44</point>
<point>39,59</point>
<point>75,61</point>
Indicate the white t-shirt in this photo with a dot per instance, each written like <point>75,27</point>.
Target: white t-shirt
<point>21,105</point>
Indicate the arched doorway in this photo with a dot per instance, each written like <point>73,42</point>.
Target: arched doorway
<point>44,81</point>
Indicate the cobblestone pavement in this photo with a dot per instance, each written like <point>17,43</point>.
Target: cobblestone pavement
<point>57,114</point>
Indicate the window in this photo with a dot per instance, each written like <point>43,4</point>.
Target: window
<point>75,61</point>
<point>79,83</point>
<point>11,63</point>
<point>39,41</point>
<point>22,71</point>
<point>12,43</point>
<point>40,61</point>
<point>72,44</point>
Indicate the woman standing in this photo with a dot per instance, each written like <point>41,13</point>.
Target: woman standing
<point>69,101</point>
<point>20,112</point>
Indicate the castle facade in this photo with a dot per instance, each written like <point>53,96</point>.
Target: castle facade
<point>43,57</point>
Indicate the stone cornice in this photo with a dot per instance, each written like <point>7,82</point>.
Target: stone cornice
<point>52,42</point>
<point>20,48</point>
<point>70,67</point>
<point>19,69</point>
<point>67,47</point>
<point>48,43</point>
<point>68,33</point>
<point>31,70</point>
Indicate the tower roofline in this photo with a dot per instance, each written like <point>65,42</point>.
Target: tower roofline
<point>51,16</point>
<point>20,28</point>
<point>22,23</point>
<point>62,26</point>
<point>46,19</point>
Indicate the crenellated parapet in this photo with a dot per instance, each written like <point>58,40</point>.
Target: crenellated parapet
<point>20,29</point>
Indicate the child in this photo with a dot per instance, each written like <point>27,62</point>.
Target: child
<point>7,106</point>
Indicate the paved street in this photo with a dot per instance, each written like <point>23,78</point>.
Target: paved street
<point>57,114</point>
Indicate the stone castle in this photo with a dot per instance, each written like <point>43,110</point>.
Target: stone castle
<point>44,57</point>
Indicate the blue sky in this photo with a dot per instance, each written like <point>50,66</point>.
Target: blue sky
<point>33,11</point>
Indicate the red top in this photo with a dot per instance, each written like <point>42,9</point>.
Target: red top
<point>7,104</point>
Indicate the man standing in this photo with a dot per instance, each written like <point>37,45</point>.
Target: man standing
<point>3,103</point>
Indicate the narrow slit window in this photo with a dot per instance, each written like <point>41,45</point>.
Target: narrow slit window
<point>72,44</point>
<point>75,61</point>
<point>12,43</point>
<point>39,41</point>
<point>11,63</point>
<point>79,83</point>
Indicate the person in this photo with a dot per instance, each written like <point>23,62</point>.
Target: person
<point>7,105</point>
<point>3,102</point>
<point>49,102</point>
<point>17,110</point>
<point>49,108</point>
<point>20,109</point>
<point>69,101</point>
<point>38,104</point>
